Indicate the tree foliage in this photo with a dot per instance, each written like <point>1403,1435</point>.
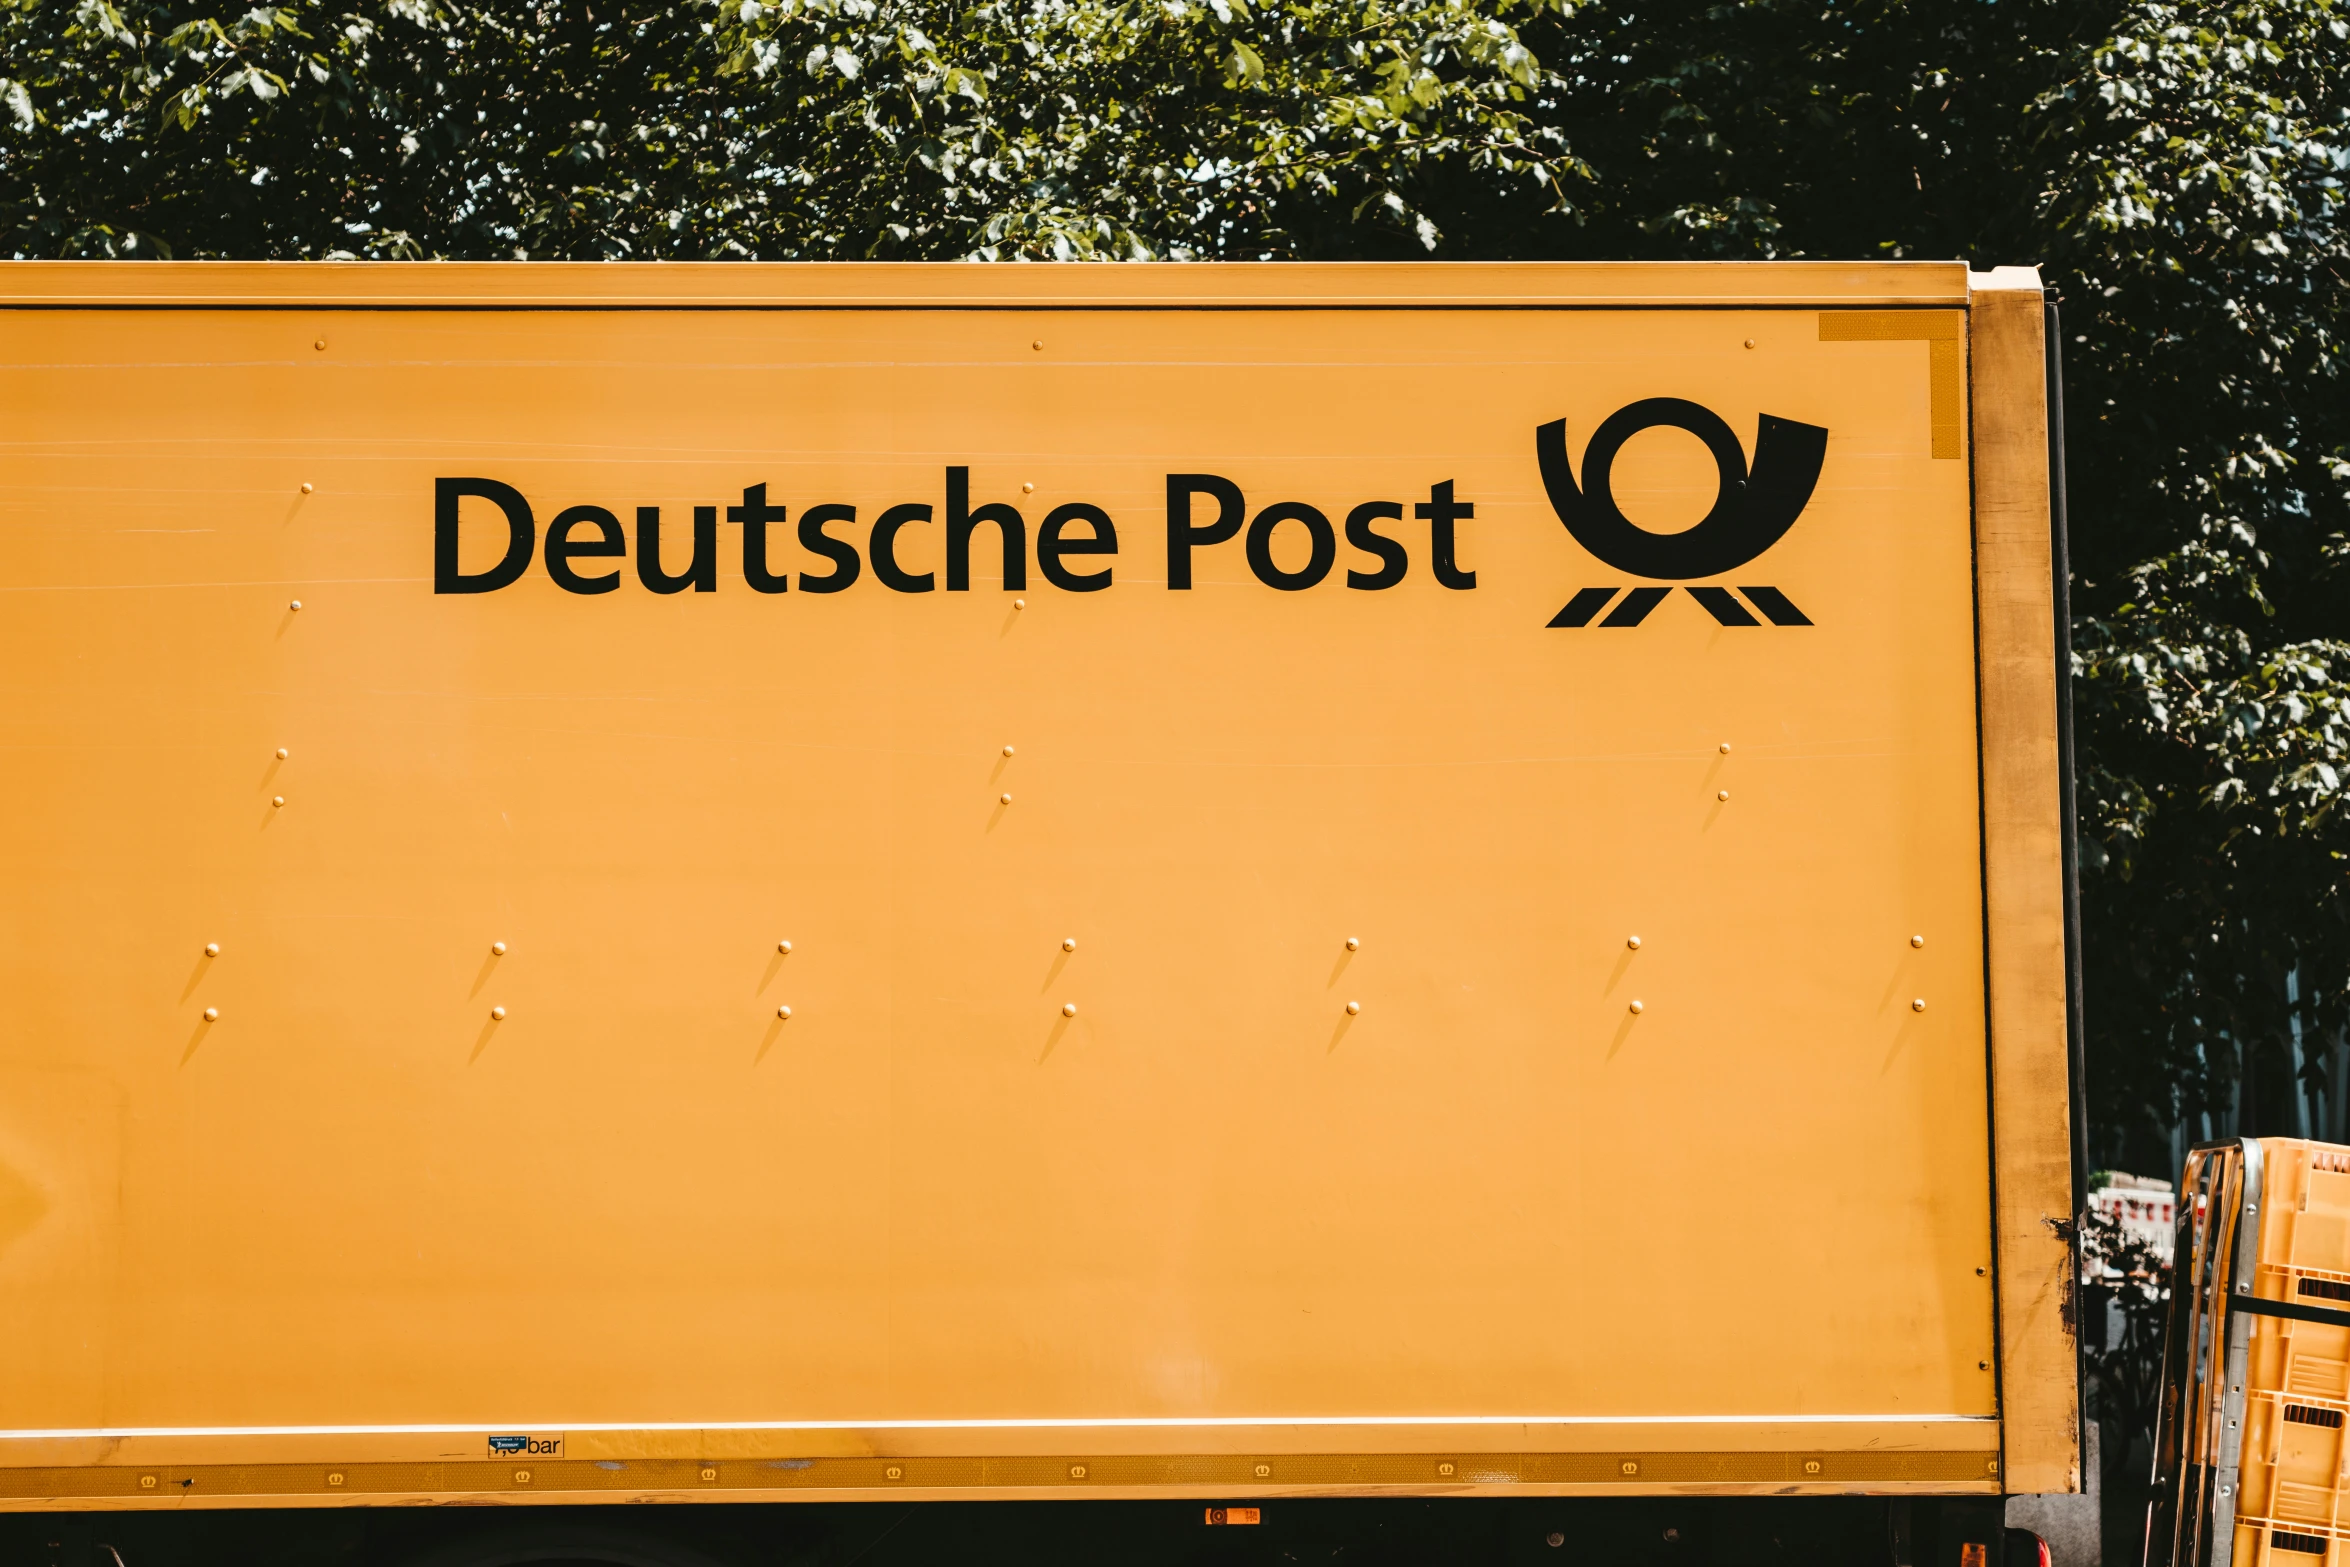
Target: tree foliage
<point>2177,167</point>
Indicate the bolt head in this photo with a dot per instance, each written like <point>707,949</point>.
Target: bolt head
<point>1554,1539</point>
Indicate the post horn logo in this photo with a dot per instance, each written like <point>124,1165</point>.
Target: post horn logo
<point>1751,512</point>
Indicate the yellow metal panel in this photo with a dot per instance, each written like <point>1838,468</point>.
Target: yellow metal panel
<point>958,286</point>
<point>2022,821</point>
<point>1492,1203</point>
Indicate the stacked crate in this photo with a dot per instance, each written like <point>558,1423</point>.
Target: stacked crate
<point>2294,1506</point>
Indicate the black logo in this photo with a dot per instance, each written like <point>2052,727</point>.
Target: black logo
<point>1751,511</point>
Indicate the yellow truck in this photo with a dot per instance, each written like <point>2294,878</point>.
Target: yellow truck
<point>1406,912</point>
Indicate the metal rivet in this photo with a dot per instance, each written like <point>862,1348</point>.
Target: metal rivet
<point>212,949</point>
<point>783,1013</point>
<point>1353,1007</point>
<point>1637,1007</point>
<point>498,1013</point>
<point>1003,799</point>
<point>305,486</point>
<point>1918,1005</point>
<point>1068,1009</point>
<point>1980,1272</point>
<point>1354,943</point>
<point>1633,942</point>
<point>1019,603</point>
<point>1750,342</point>
<point>1039,343</point>
<point>296,604</point>
<point>281,753</point>
<point>1725,748</point>
<point>1982,1365</point>
<point>1007,750</point>
<point>783,946</point>
<point>1917,941</point>
<point>1068,943</point>
<point>1721,794</point>
<point>1554,1539</point>
<point>212,1014</point>
<point>277,799</point>
<point>1028,489</point>
<point>498,947</point>
<point>320,345</point>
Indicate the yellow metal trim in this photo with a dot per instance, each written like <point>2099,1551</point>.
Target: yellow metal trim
<point>2023,888</point>
<point>1943,332</point>
<point>951,285</point>
<point>1423,1472</point>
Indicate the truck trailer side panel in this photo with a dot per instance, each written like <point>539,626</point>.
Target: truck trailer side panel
<point>632,882</point>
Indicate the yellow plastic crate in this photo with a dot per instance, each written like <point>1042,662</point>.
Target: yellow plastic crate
<point>2293,1496</point>
<point>2253,1459</point>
